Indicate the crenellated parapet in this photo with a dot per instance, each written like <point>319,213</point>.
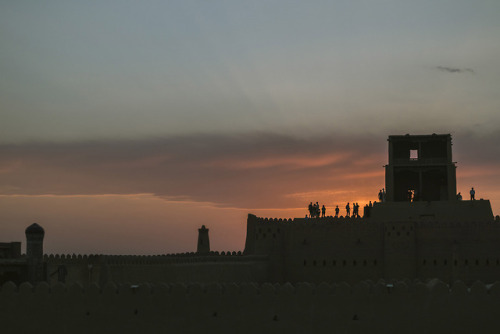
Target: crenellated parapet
<point>323,220</point>
<point>411,288</point>
<point>71,258</point>
<point>179,258</point>
<point>187,257</point>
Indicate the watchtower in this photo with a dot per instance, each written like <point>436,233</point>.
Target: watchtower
<point>203,241</point>
<point>420,169</point>
<point>34,252</point>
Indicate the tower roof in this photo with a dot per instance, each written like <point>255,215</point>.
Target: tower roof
<point>35,229</point>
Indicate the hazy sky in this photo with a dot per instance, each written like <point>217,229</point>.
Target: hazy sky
<point>125,125</point>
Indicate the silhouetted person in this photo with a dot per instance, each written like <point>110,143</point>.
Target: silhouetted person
<point>380,195</point>
<point>370,204</point>
<point>472,194</point>
<point>311,209</point>
<point>347,210</point>
<point>459,196</point>
<point>323,211</point>
<point>337,210</point>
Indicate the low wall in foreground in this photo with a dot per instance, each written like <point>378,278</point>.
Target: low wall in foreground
<point>366,307</point>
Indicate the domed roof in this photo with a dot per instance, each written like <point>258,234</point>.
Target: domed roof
<point>35,229</point>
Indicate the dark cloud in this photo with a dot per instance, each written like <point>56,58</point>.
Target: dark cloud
<point>257,170</point>
<point>249,170</point>
<point>477,149</point>
<point>454,69</point>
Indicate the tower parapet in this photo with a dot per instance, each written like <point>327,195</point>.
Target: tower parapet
<point>420,169</point>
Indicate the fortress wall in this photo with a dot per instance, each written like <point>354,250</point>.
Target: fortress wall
<point>325,235</point>
<point>266,235</point>
<point>459,251</point>
<point>350,249</point>
<point>336,250</point>
<point>400,255</point>
<point>185,267</point>
<point>364,307</point>
<point>85,269</point>
<point>189,267</point>
<point>325,249</point>
<point>315,250</point>
<point>224,271</point>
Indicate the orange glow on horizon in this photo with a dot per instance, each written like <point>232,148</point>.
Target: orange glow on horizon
<point>298,161</point>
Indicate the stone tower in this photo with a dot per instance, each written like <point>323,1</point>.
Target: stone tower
<point>203,241</point>
<point>420,169</point>
<point>34,253</point>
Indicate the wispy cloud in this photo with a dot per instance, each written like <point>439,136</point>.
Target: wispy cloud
<point>454,69</point>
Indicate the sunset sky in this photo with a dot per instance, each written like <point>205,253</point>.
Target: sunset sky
<point>126,125</point>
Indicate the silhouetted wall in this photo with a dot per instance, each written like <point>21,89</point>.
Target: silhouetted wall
<point>186,267</point>
<point>353,249</point>
<point>404,307</point>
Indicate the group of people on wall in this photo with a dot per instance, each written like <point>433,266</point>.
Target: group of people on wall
<point>315,211</point>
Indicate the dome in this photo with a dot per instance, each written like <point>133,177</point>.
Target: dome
<point>35,229</point>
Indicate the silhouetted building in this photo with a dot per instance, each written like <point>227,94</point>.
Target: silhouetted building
<point>12,265</point>
<point>420,168</point>
<point>19,268</point>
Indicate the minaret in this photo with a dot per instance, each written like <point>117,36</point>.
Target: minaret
<point>34,253</point>
<point>203,241</point>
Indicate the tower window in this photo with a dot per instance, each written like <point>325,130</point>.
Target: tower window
<point>413,154</point>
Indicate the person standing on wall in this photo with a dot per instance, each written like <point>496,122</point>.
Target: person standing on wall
<point>472,194</point>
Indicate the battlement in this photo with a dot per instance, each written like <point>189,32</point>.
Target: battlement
<point>71,258</point>
<point>187,257</point>
<point>362,288</point>
<point>179,258</point>
<point>323,220</point>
